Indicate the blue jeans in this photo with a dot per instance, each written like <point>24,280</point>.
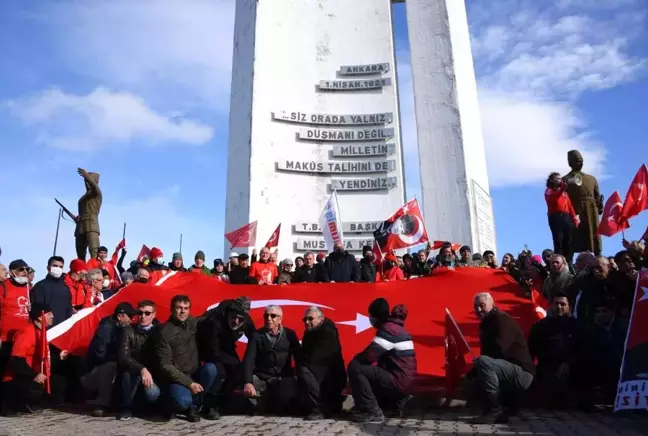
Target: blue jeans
<point>180,395</point>
<point>131,384</point>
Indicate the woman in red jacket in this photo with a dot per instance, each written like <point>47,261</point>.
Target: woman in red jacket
<point>562,217</point>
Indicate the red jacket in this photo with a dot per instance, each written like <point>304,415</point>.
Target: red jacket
<point>559,202</point>
<point>80,292</point>
<point>25,346</point>
<point>14,309</point>
<point>395,273</point>
<point>265,272</point>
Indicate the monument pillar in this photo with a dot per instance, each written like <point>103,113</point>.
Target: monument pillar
<point>454,181</point>
<point>314,108</point>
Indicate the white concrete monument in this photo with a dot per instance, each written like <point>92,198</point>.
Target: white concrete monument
<point>314,108</point>
<point>454,182</point>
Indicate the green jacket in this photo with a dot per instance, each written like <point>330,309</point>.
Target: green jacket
<point>203,270</point>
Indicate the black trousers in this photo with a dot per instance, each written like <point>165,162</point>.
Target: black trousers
<point>21,392</point>
<point>562,230</point>
<point>371,385</point>
<point>323,395</point>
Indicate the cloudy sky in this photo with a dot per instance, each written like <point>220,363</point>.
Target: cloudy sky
<point>139,92</point>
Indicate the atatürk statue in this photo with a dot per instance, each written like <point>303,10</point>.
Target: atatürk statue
<point>588,204</point>
<point>87,223</point>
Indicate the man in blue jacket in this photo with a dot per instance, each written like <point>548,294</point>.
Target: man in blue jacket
<point>52,291</point>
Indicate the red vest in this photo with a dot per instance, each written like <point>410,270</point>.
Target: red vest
<point>26,345</point>
<point>14,309</point>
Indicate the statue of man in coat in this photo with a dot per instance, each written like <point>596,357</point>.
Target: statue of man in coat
<point>87,222</point>
<point>588,205</point>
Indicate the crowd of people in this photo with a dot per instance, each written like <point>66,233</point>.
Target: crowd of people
<point>190,366</point>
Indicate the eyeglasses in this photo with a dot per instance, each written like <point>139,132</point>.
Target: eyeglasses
<point>23,269</point>
<point>270,315</point>
<point>308,318</point>
<point>144,312</point>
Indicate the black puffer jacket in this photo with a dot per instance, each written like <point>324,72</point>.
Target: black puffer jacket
<point>367,271</point>
<point>265,361</point>
<point>322,354</point>
<point>176,350</point>
<point>137,348</point>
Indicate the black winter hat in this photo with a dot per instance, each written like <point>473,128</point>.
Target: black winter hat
<point>37,309</point>
<point>240,305</point>
<point>379,309</point>
<point>367,248</point>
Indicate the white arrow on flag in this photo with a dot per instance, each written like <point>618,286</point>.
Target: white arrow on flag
<point>361,323</point>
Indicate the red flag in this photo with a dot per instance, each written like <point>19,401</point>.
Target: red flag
<point>44,354</point>
<point>403,229</point>
<point>438,244</point>
<point>637,197</point>
<point>145,252</point>
<point>274,239</point>
<point>244,236</point>
<point>121,245</point>
<point>377,254</point>
<point>632,391</point>
<point>611,221</point>
<point>456,349</point>
<point>452,289</point>
<point>540,304</point>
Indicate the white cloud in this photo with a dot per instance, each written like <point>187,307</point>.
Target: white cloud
<point>527,138</point>
<point>166,49</point>
<point>102,117</point>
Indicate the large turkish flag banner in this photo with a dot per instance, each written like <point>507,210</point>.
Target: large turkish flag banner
<point>344,303</point>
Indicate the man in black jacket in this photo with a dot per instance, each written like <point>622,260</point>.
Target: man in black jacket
<point>321,374</point>
<point>102,357</point>
<point>240,274</point>
<point>218,332</point>
<point>505,369</point>
<point>136,360</point>
<point>558,342</point>
<point>342,267</point>
<point>176,350</point>
<point>310,272</point>
<point>367,265</point>
<point>267,366</point>
<point>53,292</point>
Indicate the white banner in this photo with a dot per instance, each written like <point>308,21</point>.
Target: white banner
<point>331,222</point>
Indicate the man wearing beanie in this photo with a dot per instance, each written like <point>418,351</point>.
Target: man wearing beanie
<point>218,332</point>
<point>367,265</point>
<point>392,351</point>
<point>465,256</point>
<point>75,282</point>
<point>199,264</point>
<point>219,271</point>
<point>25,380</point>
<point>177,263</point>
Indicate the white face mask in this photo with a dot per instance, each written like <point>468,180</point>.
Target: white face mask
<point>159,261</point>
<point>106,283</point>
<point>56,272</point>
<point>21,280</point>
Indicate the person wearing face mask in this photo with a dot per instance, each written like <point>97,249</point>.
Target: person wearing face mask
<point>143,276</point>
<point>367,265</point>
<point>218,332</point>
<point>342,266</point>
<point>14,308</point>
<point>103,262</point>
<point>106,285</point>
<point>53,292</point>
<point>157,266</point>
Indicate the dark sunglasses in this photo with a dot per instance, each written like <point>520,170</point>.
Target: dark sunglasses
<point>144,312</point>
<point>23,269</point>
<point>270,315</point>
<point>308,318</point>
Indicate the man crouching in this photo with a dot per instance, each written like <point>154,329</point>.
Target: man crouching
<point>505,370</point>
<point>321,374</point>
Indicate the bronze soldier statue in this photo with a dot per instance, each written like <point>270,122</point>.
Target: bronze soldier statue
<point>588,204</point>
<point>87,223</point>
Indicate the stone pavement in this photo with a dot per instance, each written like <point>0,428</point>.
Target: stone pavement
<point>440,422</point>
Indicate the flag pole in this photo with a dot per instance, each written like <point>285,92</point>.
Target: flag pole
<point>58,226</point>
<point>124,232</point>
<point>180,243</point>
